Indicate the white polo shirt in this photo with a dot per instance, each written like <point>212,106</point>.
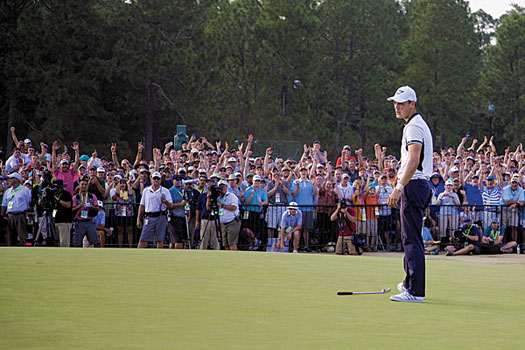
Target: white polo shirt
<point>225,214</point>
<point>416,130</point>
<point>151,199</point>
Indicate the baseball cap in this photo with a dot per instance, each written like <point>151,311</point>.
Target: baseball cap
<point>454,169</point>
<point>515,178</point>
<point>232,159</point>
<point>293,205</point>
<point>495,220</point>
<point>58,183</point>
<point>84,157</point>
<point>345,175</point>
<point>257,178</point>
<point>156,174</point>
<point>100,204</point>
<point>101,170</point>
<point>222,182</point>
<point>347,147</point>
<point>27,141</point>
<point>15,176</point>
<point>404,94</point>
<point>232,177</point>
<point>449,182</point>
<point>64,161</point>
<point>490,177</point>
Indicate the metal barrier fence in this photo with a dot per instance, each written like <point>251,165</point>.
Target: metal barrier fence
<point>379,223</point>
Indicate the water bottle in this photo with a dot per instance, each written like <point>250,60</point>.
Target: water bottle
<point>518,250</point>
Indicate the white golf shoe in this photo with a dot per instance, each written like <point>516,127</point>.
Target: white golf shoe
<point>406,297</point>
<point>401,287</point>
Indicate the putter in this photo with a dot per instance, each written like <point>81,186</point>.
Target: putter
<point>383,291</point>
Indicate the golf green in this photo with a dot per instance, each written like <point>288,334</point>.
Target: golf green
<point>53,298</point>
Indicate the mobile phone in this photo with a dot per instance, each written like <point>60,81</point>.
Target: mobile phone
<point>467,135</point>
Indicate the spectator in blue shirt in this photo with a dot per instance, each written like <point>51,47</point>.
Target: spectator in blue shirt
<point>492,240</point>
<point>512,197</point>
<point>304,193</point>
<point>291,223</point>
<point>15,203</point>
<point>448,211</point>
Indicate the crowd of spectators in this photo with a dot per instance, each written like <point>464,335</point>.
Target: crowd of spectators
<point>473,185</point>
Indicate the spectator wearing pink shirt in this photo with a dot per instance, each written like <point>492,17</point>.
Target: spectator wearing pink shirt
<point>65,171</point>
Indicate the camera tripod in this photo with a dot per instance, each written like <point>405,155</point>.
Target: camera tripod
<point>47,230</point>
<point>214,212</point>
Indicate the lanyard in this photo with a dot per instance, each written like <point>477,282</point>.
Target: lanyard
<point>179,192</point>
<point>494,234</point>
<point>15,191</point>
<point>84,199</point>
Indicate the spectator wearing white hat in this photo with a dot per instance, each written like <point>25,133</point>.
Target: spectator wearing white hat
<point>228,216</point>
<point>254,199</point>
<point>448,211</point>
<point>65,171</point>
<point>512,197</point>
<point>304,193</point>
<point>153,209</point>
<point>277,197</point>
<point>15,204</point>
<point>345,191</point>
<point>291,224</point>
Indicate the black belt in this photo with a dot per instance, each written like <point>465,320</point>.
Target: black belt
<point>17,213</point>
<point>155,214</point>
<point>208,217</point>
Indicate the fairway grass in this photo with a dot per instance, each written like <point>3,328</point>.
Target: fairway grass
<point>52,298</point>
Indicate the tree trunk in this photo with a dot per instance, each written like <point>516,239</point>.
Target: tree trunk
<point>10,122</point>
<point>150,119</point>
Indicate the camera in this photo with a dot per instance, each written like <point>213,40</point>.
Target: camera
<point>48,198</point>
<point>215,192</point>
<point>343,205</point>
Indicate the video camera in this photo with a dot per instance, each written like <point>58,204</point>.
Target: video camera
<point>215,192</point>
<point>47,199</point>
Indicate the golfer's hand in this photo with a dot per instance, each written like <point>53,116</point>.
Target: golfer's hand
<point>394,198</point>
<point>139,223</point>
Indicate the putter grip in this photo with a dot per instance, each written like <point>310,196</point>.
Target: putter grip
<point>345,293</point>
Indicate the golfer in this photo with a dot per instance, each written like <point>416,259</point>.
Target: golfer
<point>414,191</point>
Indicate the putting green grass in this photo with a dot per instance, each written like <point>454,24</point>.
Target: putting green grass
<point>53,298</point>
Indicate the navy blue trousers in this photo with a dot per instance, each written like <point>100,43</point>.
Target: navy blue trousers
<point>415,198</point>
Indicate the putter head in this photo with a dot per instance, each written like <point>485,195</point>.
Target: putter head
<point>387,290</point>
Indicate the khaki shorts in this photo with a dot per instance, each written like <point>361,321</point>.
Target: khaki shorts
<point>345,243</point>
<point>230,232</point>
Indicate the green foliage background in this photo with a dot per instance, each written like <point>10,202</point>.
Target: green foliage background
<point>102,71</point>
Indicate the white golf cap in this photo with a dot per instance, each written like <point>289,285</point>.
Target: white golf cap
<point>101,170</point>
<point>232,159</point>
<point>27,141</point>
<point>156,174</point>
<point>100,204</point>
<point>515,178</point>
<point>450,181</point>
<point>15,176</point>
<point>403,94</point>
<point>222,182</point>
<point>293,205</point>
<point>257,178</point>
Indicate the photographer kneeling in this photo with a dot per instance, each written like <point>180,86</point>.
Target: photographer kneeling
<point>469,234</point>
<point>346,217</point>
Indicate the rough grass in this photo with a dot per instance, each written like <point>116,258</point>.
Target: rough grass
<point>53,298</point>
